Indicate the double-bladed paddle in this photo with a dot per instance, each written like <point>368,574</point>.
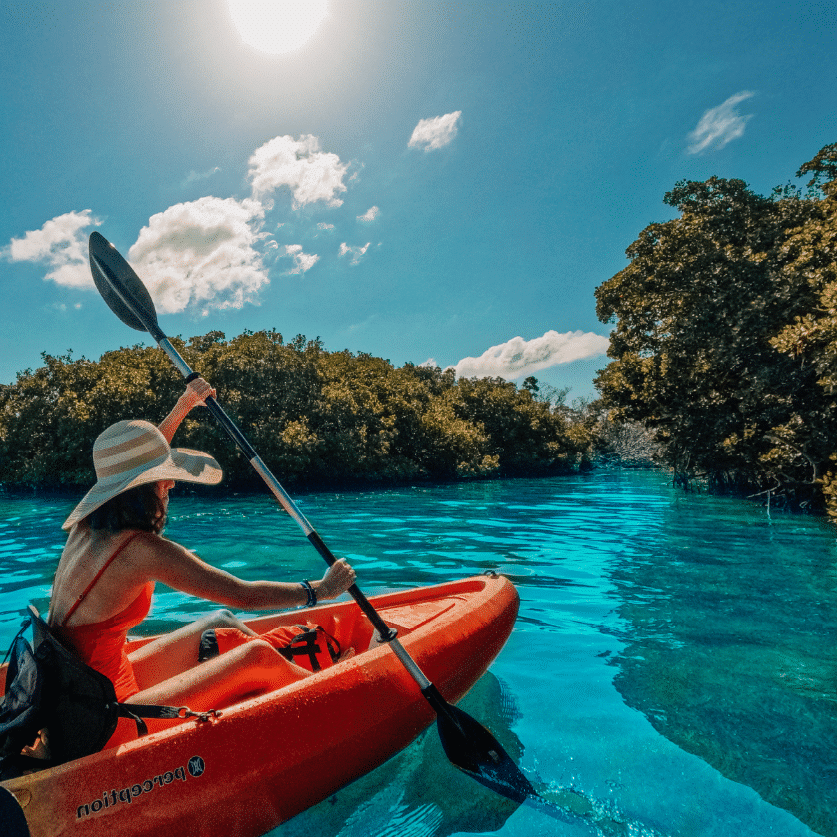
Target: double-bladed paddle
<point>468,745</point>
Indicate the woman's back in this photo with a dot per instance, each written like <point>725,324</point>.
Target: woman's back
<point>98,597</point>
<point>85,555</point>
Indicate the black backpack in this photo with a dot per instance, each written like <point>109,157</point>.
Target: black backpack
<point>50,688</point>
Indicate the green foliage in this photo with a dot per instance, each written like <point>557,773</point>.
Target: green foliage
<point>726,335</point>
<point>316,417</point>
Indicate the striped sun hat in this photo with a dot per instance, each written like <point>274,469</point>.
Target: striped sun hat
<point>132,453</point>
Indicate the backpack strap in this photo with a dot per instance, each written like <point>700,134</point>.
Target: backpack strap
<point>51,688</point>
<point>134,711</point>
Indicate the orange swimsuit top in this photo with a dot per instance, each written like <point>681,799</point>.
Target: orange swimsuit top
<point>102,644</point>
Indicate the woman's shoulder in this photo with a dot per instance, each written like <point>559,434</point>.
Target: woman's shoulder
<point>152,548</point>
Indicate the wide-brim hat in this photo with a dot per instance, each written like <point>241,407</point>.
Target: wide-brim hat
<point>135,452</point>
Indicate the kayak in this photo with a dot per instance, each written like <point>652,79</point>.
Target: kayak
<point>265,758</point>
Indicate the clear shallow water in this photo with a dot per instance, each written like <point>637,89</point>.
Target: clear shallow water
<point>672,671</point>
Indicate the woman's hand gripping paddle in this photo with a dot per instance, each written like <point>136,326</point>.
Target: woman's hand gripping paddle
<point>467,743</point>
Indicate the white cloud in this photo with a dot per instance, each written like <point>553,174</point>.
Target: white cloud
<point>370,215</point>
<point>434,133</point>
<point>201,252</point>
<point>206,253</point>
<point>356,252</point>
<point>302,261</point>
<point>194,176</point>
<point>311,175</point>
<point>519,357</point>
<point>720,125</point>
<point>61,244</point>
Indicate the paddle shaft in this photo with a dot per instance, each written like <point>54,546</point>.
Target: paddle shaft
<point>292,509</point>
<point>147,317</point>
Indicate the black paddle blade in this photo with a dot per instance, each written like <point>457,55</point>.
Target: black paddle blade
<point>120,286</point>
<point>474,750</point>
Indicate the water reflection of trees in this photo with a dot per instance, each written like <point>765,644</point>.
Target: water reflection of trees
<point>730,655</point>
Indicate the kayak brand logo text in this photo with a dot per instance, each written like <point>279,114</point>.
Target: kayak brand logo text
<point>195,768</point>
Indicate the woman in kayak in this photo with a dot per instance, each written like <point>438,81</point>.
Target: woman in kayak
<point>115,554</point>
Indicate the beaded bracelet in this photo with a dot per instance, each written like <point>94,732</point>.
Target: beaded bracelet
<point>310,592</point>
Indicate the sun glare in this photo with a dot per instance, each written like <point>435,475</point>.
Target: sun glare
<point>277,26</point>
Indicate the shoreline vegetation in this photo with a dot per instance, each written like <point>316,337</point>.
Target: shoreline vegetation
<point>725,338</point>
<point>723,371</point>
<point>318,419</point>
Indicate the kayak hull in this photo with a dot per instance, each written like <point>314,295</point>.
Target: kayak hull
<point>273,755</point>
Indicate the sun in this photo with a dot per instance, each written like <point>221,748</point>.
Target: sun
<point>277,26</point>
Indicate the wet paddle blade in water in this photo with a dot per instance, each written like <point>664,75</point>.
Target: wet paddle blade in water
<point>475,751</point>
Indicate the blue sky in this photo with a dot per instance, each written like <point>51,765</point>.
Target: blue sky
<point>421,181</point>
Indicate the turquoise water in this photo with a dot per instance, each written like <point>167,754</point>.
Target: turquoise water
<point>672,671</point>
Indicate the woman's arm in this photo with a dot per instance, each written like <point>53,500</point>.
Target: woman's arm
<point>174,565</point>
<point>196,392</point>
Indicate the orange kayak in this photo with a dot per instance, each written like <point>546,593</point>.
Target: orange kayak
<point>273,754</point>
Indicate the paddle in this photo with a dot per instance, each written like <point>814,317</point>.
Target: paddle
<point>468,745</point>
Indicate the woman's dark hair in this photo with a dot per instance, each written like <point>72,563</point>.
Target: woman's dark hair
<point>138,508</point>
